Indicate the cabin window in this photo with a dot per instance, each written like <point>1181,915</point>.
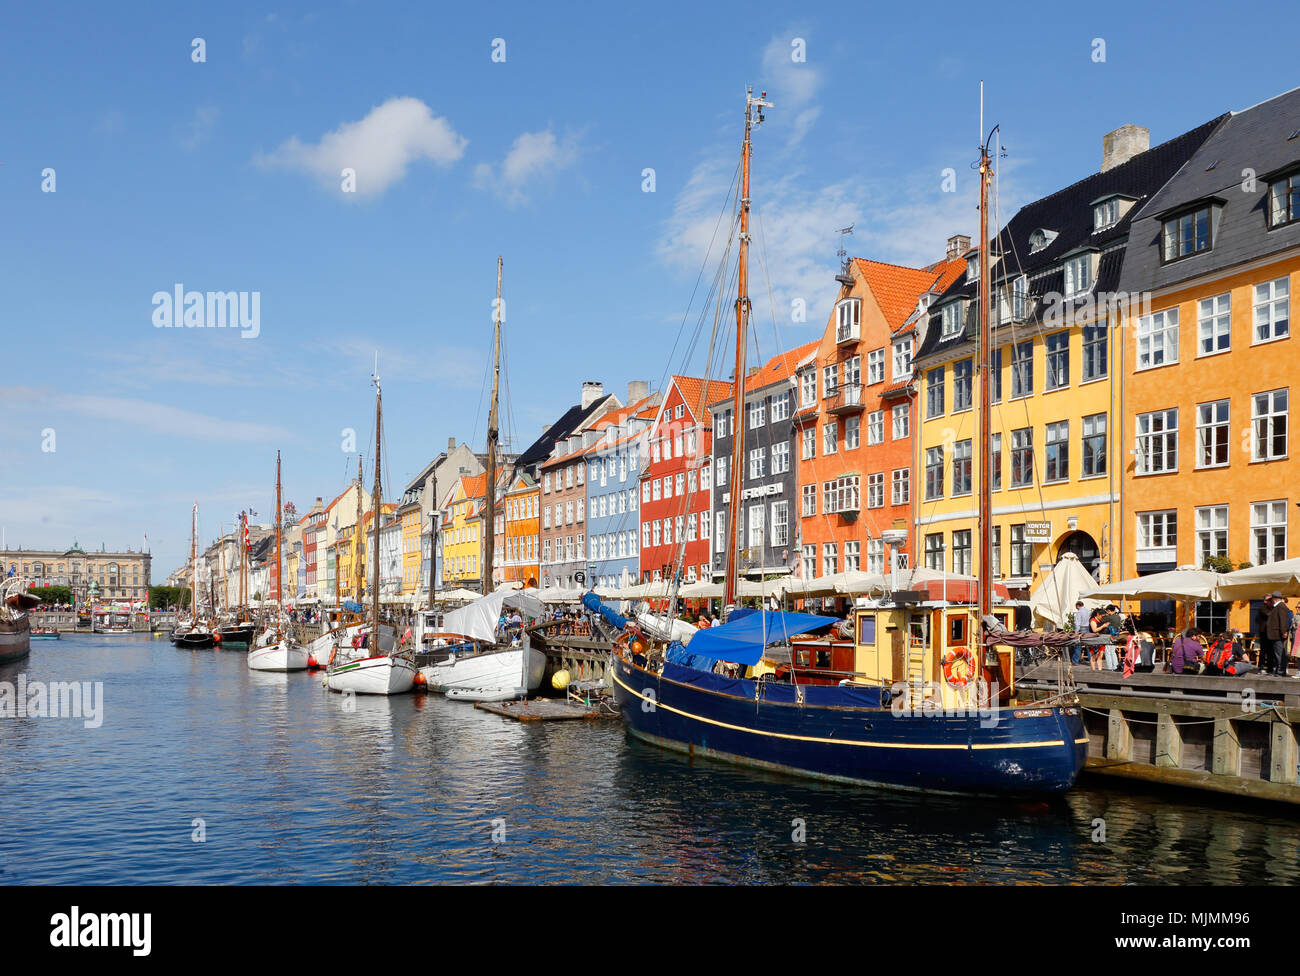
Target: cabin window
<point>824,658</point>
<point>957,630</point>
<point>866,629</point>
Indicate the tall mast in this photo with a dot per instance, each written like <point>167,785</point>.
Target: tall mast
<point>279,566</point>
<point>221,529</point>
<point>379,440</point>
<point>490,513</point>
<point>730,586</point>
<point>194,563</point>
<point>358,571</point>
<point>986,376</point>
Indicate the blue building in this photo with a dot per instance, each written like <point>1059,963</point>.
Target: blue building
<point>614,464</point>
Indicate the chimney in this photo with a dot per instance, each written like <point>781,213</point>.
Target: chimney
<point>637,390</point>
<point>958,245</point>
<point>591,392</point>
<point>545,428</point>
<point>451,444</point>
<point>1123,144</point>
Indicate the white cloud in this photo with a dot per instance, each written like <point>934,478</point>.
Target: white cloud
<point>533,158</point>
<point>199,129</point>
<point>792,86</point>
<point>379,147</point>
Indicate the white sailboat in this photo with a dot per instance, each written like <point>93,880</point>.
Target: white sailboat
<point>372,668</point>
<point>275,648</point>
<point>479,668</point>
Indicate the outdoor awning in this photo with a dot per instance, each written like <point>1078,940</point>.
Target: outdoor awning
<point>1257,582</point>
<point>1183,583</point>
<point>742,639</point>
<point>1056,595</point>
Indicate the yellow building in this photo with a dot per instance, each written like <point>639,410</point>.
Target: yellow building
<point>409,515</point>
<point>1055,458</point>
<point>462,533</point>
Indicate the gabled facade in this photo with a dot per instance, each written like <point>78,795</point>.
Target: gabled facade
<point>767,537</point>
<point>676,481</point>
<point>1210,357</point>
<point>613,489</point>
<point>462,539</point>
<point>854,416</point>
<point>520,516</point>
<point>1056,461</point>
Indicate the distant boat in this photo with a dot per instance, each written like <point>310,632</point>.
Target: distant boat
<point>44,633</point>
<point>15,623</point>
<point>274,649</point>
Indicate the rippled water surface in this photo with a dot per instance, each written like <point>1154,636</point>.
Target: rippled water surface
<point>293,787</point>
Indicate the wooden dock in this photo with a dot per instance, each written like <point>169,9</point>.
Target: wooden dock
<point>1234,735</point>
<point>539,710</point>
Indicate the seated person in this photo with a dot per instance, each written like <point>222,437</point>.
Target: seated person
<point>1187,653</point>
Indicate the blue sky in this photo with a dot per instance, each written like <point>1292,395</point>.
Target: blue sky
<point>225,176</point>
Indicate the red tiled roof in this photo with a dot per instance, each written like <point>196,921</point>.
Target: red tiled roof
<point>693,387</point>
<point>896,288</point>
<point>474,484</point>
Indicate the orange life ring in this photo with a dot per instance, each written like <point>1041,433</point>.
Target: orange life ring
<point>950,661</point>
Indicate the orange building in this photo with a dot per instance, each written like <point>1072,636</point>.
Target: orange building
<point>1214,261</point>
<point>855,417</point>
<point>517,557</point>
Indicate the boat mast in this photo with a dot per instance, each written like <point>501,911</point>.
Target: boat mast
<point>221,530</point>
<point>279,566</point>
<point>358,571</point>
<point>194,563</point>
<point>379,439</point>
<point>730,587</point>
<point>490,512</point>
<point>985,588</point>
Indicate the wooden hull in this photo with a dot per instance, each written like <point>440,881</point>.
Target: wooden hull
<point>500,675</point>
<point>15,639</point>
<point>382,675</point>
<point>281,656</point>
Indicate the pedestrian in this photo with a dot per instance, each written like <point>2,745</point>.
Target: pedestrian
<point>1277,627</point>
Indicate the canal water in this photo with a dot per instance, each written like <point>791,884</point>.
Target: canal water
<point>203,772</point>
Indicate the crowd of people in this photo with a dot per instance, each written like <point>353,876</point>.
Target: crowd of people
<point>1193,651</point>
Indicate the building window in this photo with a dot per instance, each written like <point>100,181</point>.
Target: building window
<point>1268,414</point>
<point>807,388</point>
<point>1268,531</point>
<point>780,523</point>
<point>876,366</point>
<point>780,411</point>
<point>903,359</point>
<point>875,555</point>
<point>809,494</point>
<point>1022,552</point>
<point>902,415</point>
<point>1157,536</point>
<point>706,476</point>
<point>829,560</point>
<point>720,532</point>
<point>1058,360</point>
<point>848,315</point>
<point>1284,200</point>
<point>781,457</point>
<point>934,392</point>
<point>934,551</point>
<point>757,413</point>
<point>846,493</point>
<point>961,460</point>
<point>950,319</point>
<point>902,486</point>
<point>1272,310</point>
<point>1022,457</point>
<point>704,525</point>
<point>1094,446</point>
<point>961,385</point>
<point>1157,436</point>
<point>995,462</point>
<point>1157,339</point>
<point>830,379</point>
<point>808,555</point>
<point>852,432</point>
<point>876,490</point>
<point>876,427</point>
<point>1095,341</point>
<point>757,463</point>
<point>1211,532</point>
<point>1212,434</point>
<point>1105,215</point>
<point>995,552</point>
<point>961,552</point>
<point>721,465</point>
<point>1056,452</point>
<point>1022,369</point>
<point>1214,325</point>
<point>933,472</point>
<point>1187,234</point>
<point>808,443</point>
<point>1020,299</point>
<point>757,515</point>
<point>1078,275</point>
<point>852,551</point>
<point>830,435</point>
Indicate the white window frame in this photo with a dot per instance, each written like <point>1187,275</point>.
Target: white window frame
<point>1272,311</point>
<point>1214,325</point>
<point>1157,339</point>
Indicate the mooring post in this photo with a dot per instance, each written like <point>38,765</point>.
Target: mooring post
<point>1169,742</point>
<point>1119,737</point>
<point>1226,759</point>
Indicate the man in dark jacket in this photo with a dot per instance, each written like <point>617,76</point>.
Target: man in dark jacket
<point>1277,626</point>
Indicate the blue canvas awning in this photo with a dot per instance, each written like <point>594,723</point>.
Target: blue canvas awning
<point>741,639</point>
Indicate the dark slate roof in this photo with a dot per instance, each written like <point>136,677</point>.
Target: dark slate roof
<point>1255,139</point>
<point>571,420</point>
<point>1068,212</point>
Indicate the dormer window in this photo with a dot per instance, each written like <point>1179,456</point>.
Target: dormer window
<point>848,315</point>
<point>1186,234</point>
<point>1284,200</point>
<point>1040,238</point>
<point>1105,215</point>
<point>951,319</point>
<point>973,267</point>
<point>1078,275</point>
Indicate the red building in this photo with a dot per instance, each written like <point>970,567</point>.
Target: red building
<point>676,483</point>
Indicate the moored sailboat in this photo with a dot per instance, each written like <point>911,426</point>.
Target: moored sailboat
<point>15,622</point>
<point>275,649</point>
<point>925,697</point>
<point>199,633</point>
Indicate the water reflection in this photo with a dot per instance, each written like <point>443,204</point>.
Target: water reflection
<point>296,784</point>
